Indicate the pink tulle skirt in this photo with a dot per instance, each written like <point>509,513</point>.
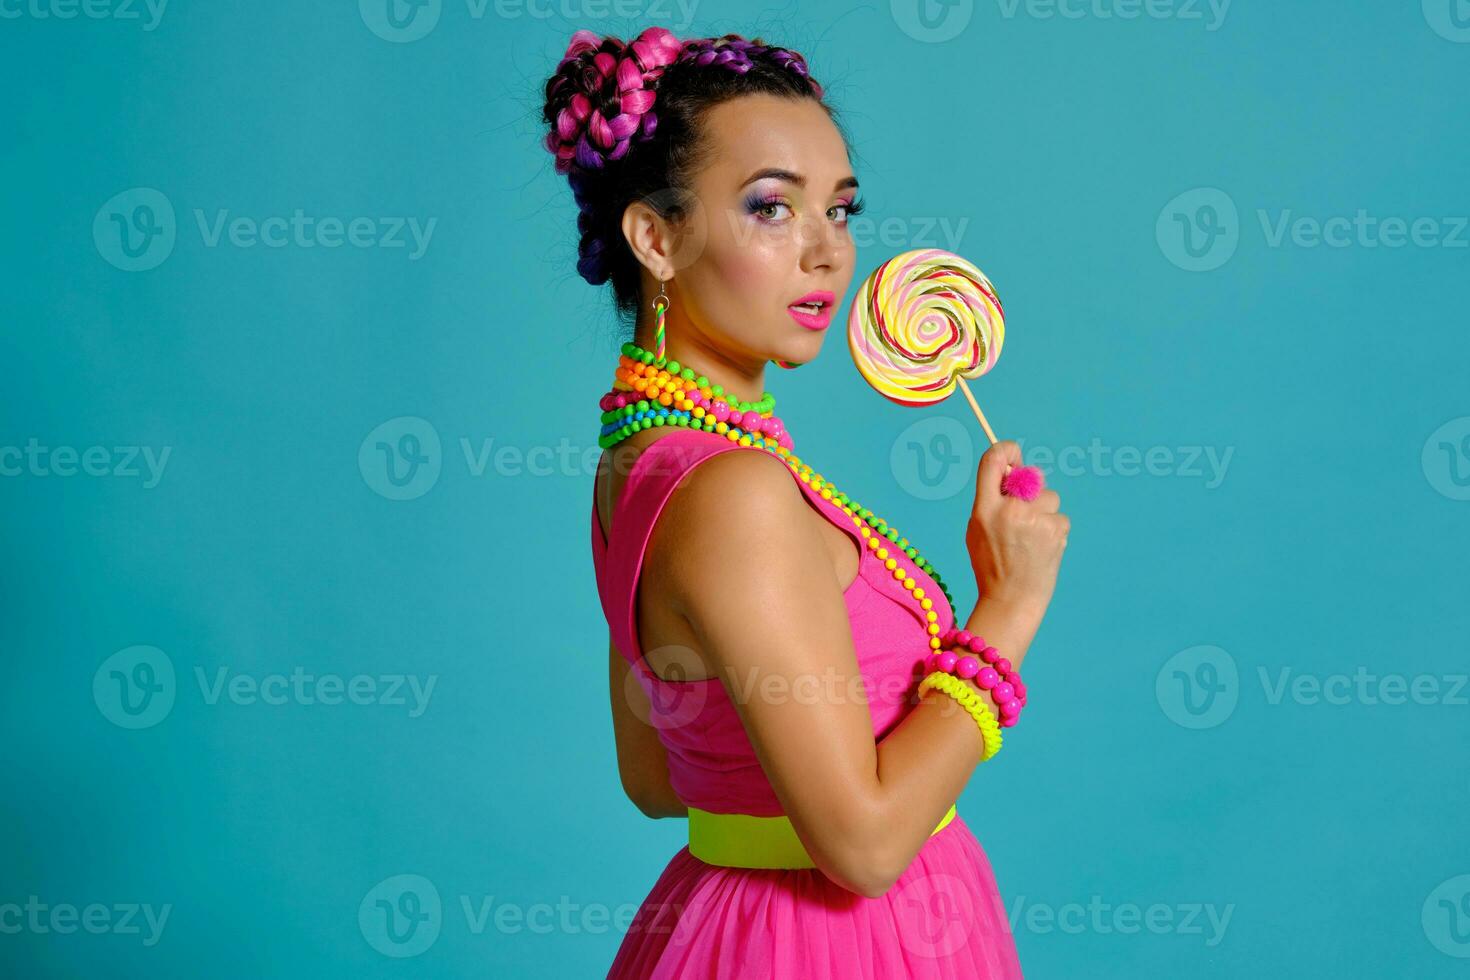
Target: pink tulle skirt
<point>944,918</point>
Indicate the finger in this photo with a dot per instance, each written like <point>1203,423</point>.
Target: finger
<point>993,465</point>
<point>1049,501</point>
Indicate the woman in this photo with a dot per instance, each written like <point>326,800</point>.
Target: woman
<point>769,634</point>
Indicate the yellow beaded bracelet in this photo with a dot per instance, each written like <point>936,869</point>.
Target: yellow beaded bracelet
<point>971,702</point>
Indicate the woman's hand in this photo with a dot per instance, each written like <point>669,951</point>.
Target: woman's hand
<point>1015,545</point>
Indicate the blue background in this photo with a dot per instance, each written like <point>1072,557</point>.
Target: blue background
<point>1155,765</point>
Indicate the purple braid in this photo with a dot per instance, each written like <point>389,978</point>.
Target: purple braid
<point>739,55</point>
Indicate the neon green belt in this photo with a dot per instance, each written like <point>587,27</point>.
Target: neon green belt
<point>739,840</point>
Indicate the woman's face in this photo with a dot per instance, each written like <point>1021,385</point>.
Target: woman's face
<point>769,230</point>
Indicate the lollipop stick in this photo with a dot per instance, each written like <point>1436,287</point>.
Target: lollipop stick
<point>1019,481</point>
<point>989,433</point>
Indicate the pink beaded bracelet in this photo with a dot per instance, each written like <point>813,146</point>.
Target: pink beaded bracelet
<point>984,664</point>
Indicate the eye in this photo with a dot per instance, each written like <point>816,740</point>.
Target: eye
<point>765,208</point>
<point>848,209</point>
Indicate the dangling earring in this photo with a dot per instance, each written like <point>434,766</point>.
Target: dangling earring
<point>660,305</point>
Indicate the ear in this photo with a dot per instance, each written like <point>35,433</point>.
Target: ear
<point>651,238</point>
<point>666,246</point>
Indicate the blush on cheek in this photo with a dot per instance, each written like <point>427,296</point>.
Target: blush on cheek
<point>753,275</point>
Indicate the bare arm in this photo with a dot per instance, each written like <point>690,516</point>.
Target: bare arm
<point>643,764</point>
<point>755,582</point>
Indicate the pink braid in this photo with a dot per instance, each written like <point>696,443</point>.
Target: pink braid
<point>623,78</point>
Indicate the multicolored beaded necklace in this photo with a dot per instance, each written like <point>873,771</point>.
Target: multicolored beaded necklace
<point>653,391</point>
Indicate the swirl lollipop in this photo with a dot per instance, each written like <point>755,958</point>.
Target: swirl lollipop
<point>921,324</point>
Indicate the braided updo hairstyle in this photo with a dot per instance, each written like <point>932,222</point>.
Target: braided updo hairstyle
<point>624,126</point>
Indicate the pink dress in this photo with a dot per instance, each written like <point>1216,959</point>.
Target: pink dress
<point>943,918</point>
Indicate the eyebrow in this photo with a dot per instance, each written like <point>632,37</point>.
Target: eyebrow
<point>794,178</point>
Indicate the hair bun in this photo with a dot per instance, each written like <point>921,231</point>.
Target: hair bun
<point>601,96</point>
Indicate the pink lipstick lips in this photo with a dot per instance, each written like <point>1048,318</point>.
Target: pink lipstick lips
<point>814,310</point>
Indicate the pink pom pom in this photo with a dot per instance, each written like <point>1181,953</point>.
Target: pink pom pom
<point>1024,482</point>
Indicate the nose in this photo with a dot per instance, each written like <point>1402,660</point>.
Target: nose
<point>821,244</point>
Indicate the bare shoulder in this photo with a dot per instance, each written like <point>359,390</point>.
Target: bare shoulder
<point>727,500</point>
<point>738,520</point>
